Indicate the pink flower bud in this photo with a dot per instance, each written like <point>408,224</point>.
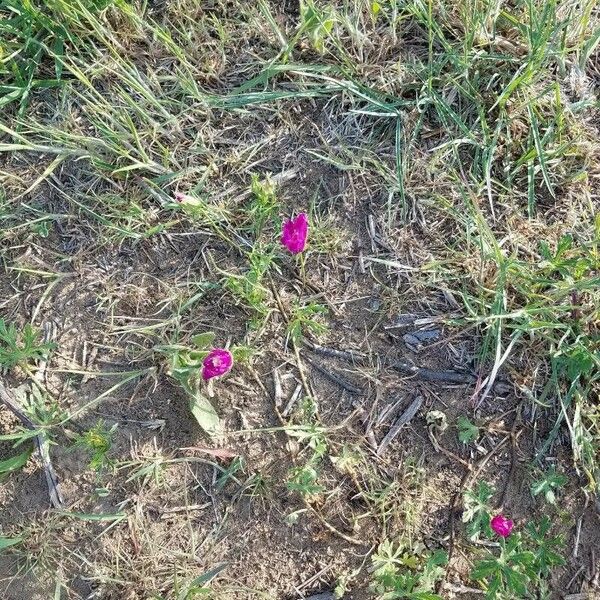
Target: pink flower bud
<point>218,362</point>
<point>294,233</point>
<point>502,526</point>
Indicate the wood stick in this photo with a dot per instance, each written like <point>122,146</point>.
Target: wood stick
<point>334,377</point>
<point>402,420</point>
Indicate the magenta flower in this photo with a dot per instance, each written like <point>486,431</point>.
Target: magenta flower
<point>218,362</point>
<point>294,233</point>
<point>179,196</point>
<point>502,526</point>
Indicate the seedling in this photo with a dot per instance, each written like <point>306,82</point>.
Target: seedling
<point>402,572</point>
<point>317,23</point>
<point>477,512</point>
<point>248,289</point>
<point>264,204</point>
<point>548,485</point>
<point>304,320</point>
<point>21,348</point>
<point>304,480</point>
<point>98,442</point>
<point>467,431</point>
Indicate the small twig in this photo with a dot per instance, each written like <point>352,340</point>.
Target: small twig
<point>292,401</point>
<point>434,375</point>
<point>179,509</point>
<point>277,388</point>
<point>497,364</point>
<point>300,366</point>
<point>452,519</point>
<point>448,453</point>
<point>334,353</point>
<point>333,376</point>
<point>312,579</point>
<point>41,443</point>
<point>462,589</point>
<point>513,454</point>
<point>572,580</point>
<point>333,529</point>
<point>577,537</point>
<point>365,418</point>
<point>409,320</point>
<point>282,310</point>
<point>388,412</point>
<point>402,420</point>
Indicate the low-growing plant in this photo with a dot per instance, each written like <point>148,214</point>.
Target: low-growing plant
<point>21,347</point>
<point>304,479</point>
<point>97,441</point>
<point>263,204</point>
<point>237,465</point>
<point>248,289</point>
<point>521,565</point>
<point>548,485</point>
<point>304,320</point>
<point>317,23</point>
<point>402,572</point>
<point>477,511</point>
<point>467,430</point>
<point>190,367</point>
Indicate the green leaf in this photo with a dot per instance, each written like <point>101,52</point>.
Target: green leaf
<point>197,585</point>
<point>477,510</point>
<point>15,462</point>
<point>7,542</point>
<point>91,517</point>
<point>547,485</point>
<point>467,431</point>
<point>20,436</point>
<point>203,340</point>
<point>205,414</point>
<point>515,581</point>
<point>484,569</point>
<point>209,575</point>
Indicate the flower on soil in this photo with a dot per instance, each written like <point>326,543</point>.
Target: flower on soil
<point>217,362</point>
<point>501,525</point>
<point>294,233</point>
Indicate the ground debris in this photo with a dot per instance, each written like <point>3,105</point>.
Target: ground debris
<point>434,375</point>
<point>335,377</point>
<point>412,320</point>
<point>347,355</point>
<point>402,420</point>
<point>416,340</point>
